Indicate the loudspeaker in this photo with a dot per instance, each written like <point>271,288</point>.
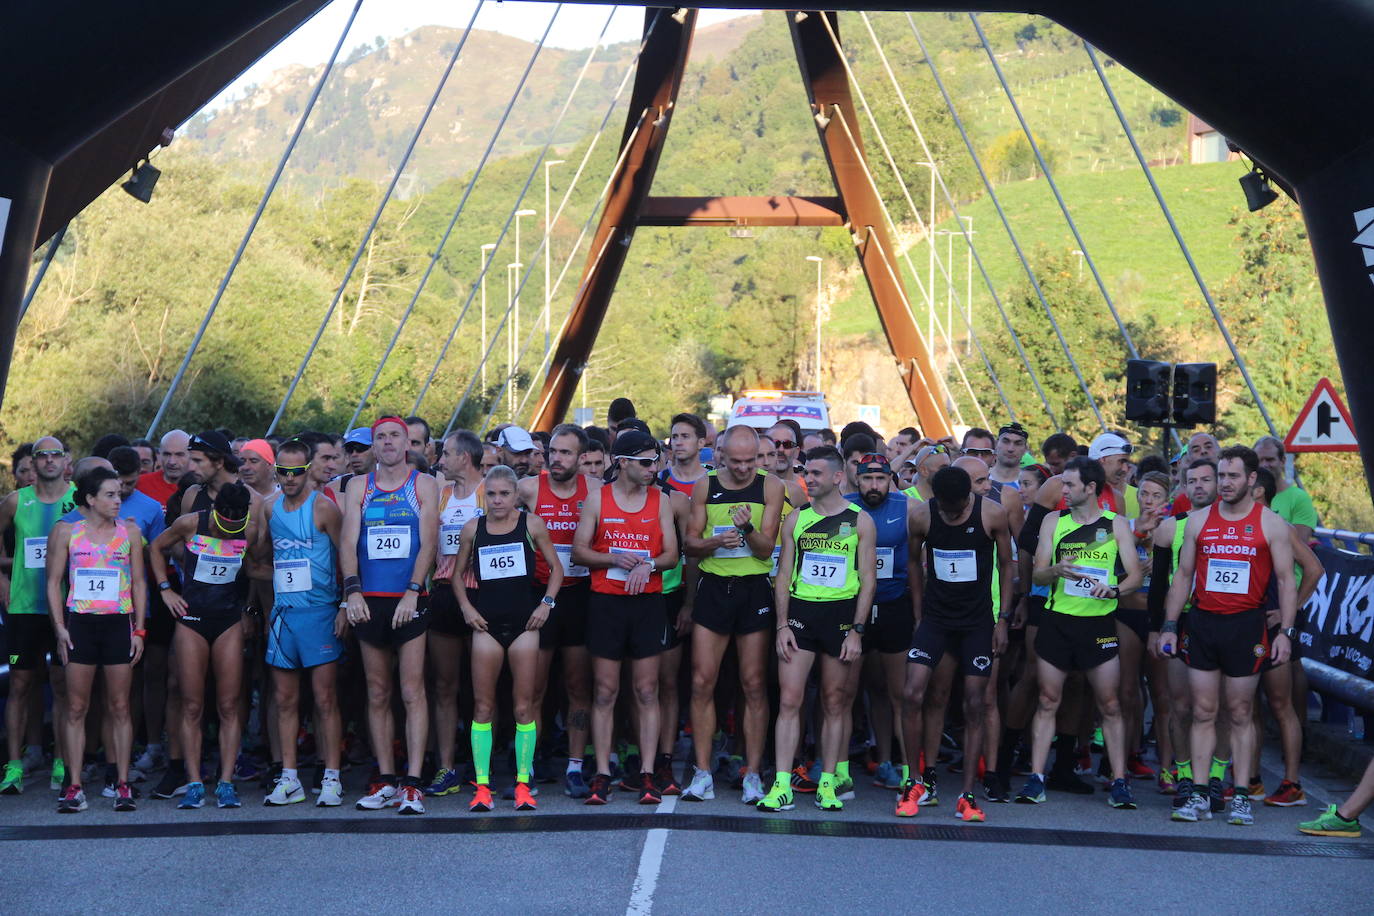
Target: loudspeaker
<point>1195,394</point>
<point>1147,391</point>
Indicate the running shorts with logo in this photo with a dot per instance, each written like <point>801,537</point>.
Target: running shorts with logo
<point>31,641</point>
<point>1078,631</point>
<point>891,625</point>
<point>388,541</point>
<point>1237,644</point>
<point>824,578</point>
<point>626,626</point>
<point>733,594</point>
<point>957,610</point>
<point>621,625</point>
<point>820,626</point>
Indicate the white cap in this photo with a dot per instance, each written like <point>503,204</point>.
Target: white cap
<point>1108,444</point>
<point>515,439</point>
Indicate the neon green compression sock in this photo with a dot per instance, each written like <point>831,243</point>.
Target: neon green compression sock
<point>524,750</point>
<point>481,752</point>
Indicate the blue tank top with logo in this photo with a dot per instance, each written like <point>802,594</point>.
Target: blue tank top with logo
<point>890,520</point>
<point>389,537</point>
<point>303,562</point>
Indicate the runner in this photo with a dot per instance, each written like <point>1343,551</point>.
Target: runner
<point>33,510</point>
<point>1005,470</point>
<point>306,625</point>
<point>507,613</point>
<point>147,455</point>
<point>390,532</point>
<point>592,462</point>
<point>927,461</point>
<point>686,439</point>
<point>1202,446</point>
<point>626,539</point>
<point>449,635</point>
<point>679,595</point>
<point>517,449</point>
<point>557,495</point>
<point>1290,501</point>
<point>786,438</point>
<point>822,599</point>
<point>98,625</point>
<point>1056,450</point>
<point>735,512</point>
<point>210,544</point>
<point>956,615</point>
<point>327,457</point>
<point>1229,552</point>
<point>901,443</point>
<point>176,461</point>
<point>358,451</point>
<point>256,467</point>
<point>1081,554</point>
<point>419,437</point>
<point>1344,819</point>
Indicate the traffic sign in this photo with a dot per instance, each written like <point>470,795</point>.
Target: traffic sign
<point>1323,425</point>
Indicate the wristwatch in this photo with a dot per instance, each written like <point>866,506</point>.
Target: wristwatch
<point>549,601</point>
<point>858,628</point>
<point>163,586</point>
<point>414,587</point>
<point>1291,632</point>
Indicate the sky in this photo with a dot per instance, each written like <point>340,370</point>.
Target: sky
<point>577,26</point>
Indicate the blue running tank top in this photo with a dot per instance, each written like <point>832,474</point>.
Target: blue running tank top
<point>303,562</point>
<point>389,537</point>
<point>890,520</point>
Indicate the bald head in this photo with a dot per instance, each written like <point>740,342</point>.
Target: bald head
<point>176,460</point>
<point>1204,445</point>
<point>738,454</point>
<point>977,470</point>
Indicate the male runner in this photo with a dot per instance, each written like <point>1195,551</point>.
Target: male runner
<point>732,528</point>
<point>358,451</point>
<point>1081,554</point>
<point>306,626</point>
<point>686,439</point>
<point>558,495</point>
<point>626,538</point>
<point>901,443</point>
<point>1012,440</point>
<point>928,460</point>
<point>256,467</point>
<point>390,531</point>
<point>1201,446</point>
<point>786,438</point>
<point>33,510</point>
<point>418,436</point>
<point>592,463</point>
<point>1057,449</point>
<point>823,593</point>
<point>1229,552</point>
<point>966,538</point>
<point>1290,501</point>
<point>176,461</point>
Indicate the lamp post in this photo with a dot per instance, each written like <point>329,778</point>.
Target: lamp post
<point>486,254</point>
<point>968,289</point>
<point>817,373</point>
<point>548,248</point>
<point>930,284</point>
<point>512,271</point>
<point>515,311</point>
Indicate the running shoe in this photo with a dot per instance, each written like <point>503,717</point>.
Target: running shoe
<point>730,771</point>
<point>909,803</point>
<point>287,791</point>
<point>13,782</point>
<point>995,788</point>
<point>630,782</point>
<point>226,796</point>
<point>1240,813</point>
<point>59,775</point>
<point>1104,773</point>
<point>1168,785</point>
<point>1065,781</point>
<point>331,794</point>
<point>1196,807</point>
<point>844,788</point>
<point>826,799</point>
<point>153,757</point>
<point>1121,795</point>
<point>111,789</point>
<point>648,792</point>
<point>803,780</point>
<point>752,792</point>
<point>1330,823</point>
<point>664,779</point>
<point>412,800</point>
<point>1256,789</point>
<point>124,798</point>
<point>481,799</point>
<point>779,797</point>
<point>1183,791</point>
<point>574,786</point>
<point>1216,795</point>
<point>379,795</point>
<point>600,790</point>
<point>966,809</point>
<point>1136,768</point>
<point>194,796</point>
<point>703,787</point>
<point>446,782</point>
<point>1288,795</point>
<point>32,758</point>
<point>1033,792</point>
<point>887,776</point>
<point>245,768</point>
<point>173,782</point>
<point>524,799</point>
<point>72,801</point>
<point>932,796</point>
<point>508,793</point>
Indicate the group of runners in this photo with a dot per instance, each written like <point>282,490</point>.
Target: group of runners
<point>712,611</point>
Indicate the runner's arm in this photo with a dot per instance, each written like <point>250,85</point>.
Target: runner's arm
<point>1312,569</point>
<point>428,493</point>
<point>1125,551</point>
<point>352,525</point>
<point>1182,585</point>
<point>539,537</point>
<point>782,584</point>
<point>763,537</point>
<point>995,520</point>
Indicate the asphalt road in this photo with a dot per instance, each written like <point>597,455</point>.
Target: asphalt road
<point>1073,853</point>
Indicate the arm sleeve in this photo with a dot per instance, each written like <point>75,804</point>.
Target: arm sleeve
<point>1029,540</point>
<point>1160,576</point>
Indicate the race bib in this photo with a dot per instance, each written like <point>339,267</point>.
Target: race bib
<point>823,570</point>
<point>290,575</point>
<point>217,570</point>
<point>388,542</point>
<point>615,573</point>
<point>449,537</point>
<point>955,565</point>
<point>570,569</point>
<point>777,552</point>
<point>35,552</point>
<point>501,561</point>
<point>1229,577</point>
<point>728,553</point>
<point>884,566</point>
<point>95,584</point>
<point>1084,578</point>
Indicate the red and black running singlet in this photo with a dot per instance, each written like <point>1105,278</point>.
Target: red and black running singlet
<point>622,531</point>
<point>1233,563</point>
<point>560,517</point>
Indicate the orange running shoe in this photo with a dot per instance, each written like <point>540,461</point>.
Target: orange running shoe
<point>481,799</point>
<point>909,803</point>
<point>967,809</point>
<point>1289,795</point>
<point>524,799</point>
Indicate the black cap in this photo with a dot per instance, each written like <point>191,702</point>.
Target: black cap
<point>634,423</point>
<point>633,441</point>
<point>210,441</point>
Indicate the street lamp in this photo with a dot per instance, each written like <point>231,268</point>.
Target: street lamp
<point>514,306</point>
<point>512,273</point>
<point>968,290</point>
<point>819,261</point>
<point>548,249</point>
<point>486,254</point>
<point>930,233</point>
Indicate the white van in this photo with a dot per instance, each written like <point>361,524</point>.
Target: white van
<point>763,408</point>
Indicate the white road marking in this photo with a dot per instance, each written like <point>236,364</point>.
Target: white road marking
<point>650,861</point>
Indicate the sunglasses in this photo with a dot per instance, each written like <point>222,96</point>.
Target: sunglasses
<point>978,451</point>
<point>48,453</point>
<point>787,444</point>
<point>293,471</point>
<point>642,462</point>
<point>872,458</point>
<point>354,448</point>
